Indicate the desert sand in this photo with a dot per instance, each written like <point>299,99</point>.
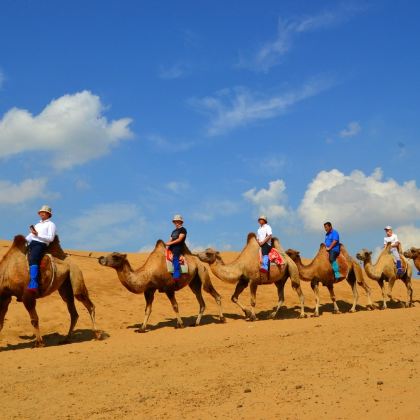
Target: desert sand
<point>347,366</point>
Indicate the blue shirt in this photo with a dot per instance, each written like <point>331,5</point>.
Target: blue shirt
<point>330,237</point>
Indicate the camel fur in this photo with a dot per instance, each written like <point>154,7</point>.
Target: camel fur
<point>414,254</point>
<point>245,270</point>
<point>384,270</point>
<point>319,270</point>
<point>68,280</point>
<point>153,275</point>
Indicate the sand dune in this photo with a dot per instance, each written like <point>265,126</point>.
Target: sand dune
<point>363,365</point>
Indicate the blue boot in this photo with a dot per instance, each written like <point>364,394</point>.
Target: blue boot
<point>177,268</point>
<point>400,271</point>
<point>33,274</point>
<point>265,263</point>
<point>336,270</point>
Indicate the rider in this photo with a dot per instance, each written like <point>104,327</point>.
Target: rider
<point>176,244</point>
<point>332,243</point>
<point>392,238</point>
<point>42,234</point>
<point>264,235</point>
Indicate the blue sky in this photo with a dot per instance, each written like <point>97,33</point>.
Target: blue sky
<point>119,114</point>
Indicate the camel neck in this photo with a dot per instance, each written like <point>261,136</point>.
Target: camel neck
<point>130,279</point>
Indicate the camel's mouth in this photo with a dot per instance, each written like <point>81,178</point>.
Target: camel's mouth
<point>102,260</point>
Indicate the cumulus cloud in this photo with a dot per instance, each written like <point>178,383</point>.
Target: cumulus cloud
<point>105,226</point>
<point>211,209</point>
<point>288,30</point>
<point>232,108</point>
<point>72,128</point>
<point>408,235</point>
<point>271,201</point>
<point>353,128</point>
<point>357,201</point>
<point>27,190</point>
<point>163,144</point>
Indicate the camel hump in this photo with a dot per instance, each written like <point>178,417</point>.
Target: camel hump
<point>19,241</point>
<point>250,236</point>
<point>159,243</point>
<point>48,270</point>
<point>54,248</point>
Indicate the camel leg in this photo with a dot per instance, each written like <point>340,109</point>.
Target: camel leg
<point>195,286</point>
<point>280,293</point>
<point>315,288</point>
<point>66,293</point>
<point>209,288</point>
<point>241,285</point>
<point>409,287</point>
<point>299,292</point>
<point>171,297</point>
<point>382,286</point>
<point>4,306</point>
<point>353,286</point>
<point>336,309</point>
<point>368,291</point>
<point>88,304</point>
<point>30,304</point>
<point>149,296</point>
<point>253,291</point>
<point>391,284</point>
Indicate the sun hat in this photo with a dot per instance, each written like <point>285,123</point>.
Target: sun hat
<point>388,227</point>
<point>263,217</point>
<point>177,218</point>
<point>45,208</point>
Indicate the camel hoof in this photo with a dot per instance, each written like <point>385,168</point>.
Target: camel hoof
<point>336,312</point>
<point>179,326</point>
<point>222,320</point>
<point>315,315</point>
<point>97,335</point>
<point>140,331</point>
<point>39,344</point>
<point>252,318</point>
<point>352,311</point>
<point>247,313</point>
<point>273,315</point>
<point>301,316</point>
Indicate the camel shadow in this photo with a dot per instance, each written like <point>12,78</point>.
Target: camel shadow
<point>55,339</point>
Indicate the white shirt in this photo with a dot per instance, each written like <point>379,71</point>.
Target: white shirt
<point>46,232</point>
<point>263,232</point>
<point>393,239</point>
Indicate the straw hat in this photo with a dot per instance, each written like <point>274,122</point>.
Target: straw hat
<point>178,218</point>
<point>45,208</point>
<point>263,217</point>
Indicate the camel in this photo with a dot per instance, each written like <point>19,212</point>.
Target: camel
<point>319,270</point>
<point>245,269</point>
<point>414,254</point>
<point>153,275</point>
<point>385,270</point>
<point>67,279</point>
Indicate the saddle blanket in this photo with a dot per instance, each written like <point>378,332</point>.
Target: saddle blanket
<point>182,261</point>
<point>274,256</point>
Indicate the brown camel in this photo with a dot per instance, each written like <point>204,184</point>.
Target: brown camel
<point>246,270</point>
<point>56,274</point>
<point>319,270</point>
<point>153,275</point>
<point>385,270</point>
<point>414,254</point>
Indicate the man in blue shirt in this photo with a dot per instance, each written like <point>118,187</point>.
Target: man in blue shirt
<point>332,243</point>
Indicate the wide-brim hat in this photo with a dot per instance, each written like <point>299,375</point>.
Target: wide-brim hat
<point>45,208</point>
<point>177,218</point>
<point>262,217</point>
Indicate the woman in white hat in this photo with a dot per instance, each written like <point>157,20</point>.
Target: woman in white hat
<point>42,234</point>
<point>176,244</point>
<point>264,235</point>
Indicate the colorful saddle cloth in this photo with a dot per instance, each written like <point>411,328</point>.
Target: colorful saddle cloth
<point>182,262</point>
<point>274,257</point>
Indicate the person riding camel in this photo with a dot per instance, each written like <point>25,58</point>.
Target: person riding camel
<point>392,238</point>
<point>42,234</point>
<point>264,235</point>
<point>176,244</point>
<point>332,243</point>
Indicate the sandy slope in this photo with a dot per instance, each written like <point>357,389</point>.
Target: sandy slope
<point>363,365</point>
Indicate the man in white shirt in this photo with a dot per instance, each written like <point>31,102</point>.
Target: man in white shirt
<point>264,235</point>
<point>392,238</point>
<point>42,234</point>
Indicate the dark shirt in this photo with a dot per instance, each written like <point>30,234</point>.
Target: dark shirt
<point>177,248</point>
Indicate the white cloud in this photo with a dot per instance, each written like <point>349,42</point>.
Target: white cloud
<point>105,226</point>
<point>27,190</point>
<point>211,209</point>
<point>353,128</point>
<point>163,144</point>
<point>270,54</point>
<point>72,128</point>
<point>357,201</point>
<point>177,186</point>
<point>270,201</point>
<point>176,71</point>
<point>408,235</point>
<point>232,108</point>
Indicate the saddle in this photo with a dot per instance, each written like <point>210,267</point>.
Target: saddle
<point>274,256</point>
<point>170,266</point>
<point>47,273</point>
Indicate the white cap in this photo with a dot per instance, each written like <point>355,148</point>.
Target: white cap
<point>388,227</point>
<point>177,218</point>
<point>45,208</point>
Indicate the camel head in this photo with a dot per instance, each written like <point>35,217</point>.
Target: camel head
<point>412,253</point>
<point>293,254</point>
<point>114,260</point>
<point>209,255</point>
<point>364,255</point>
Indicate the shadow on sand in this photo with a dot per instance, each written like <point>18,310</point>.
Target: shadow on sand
<point>55,339</point>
